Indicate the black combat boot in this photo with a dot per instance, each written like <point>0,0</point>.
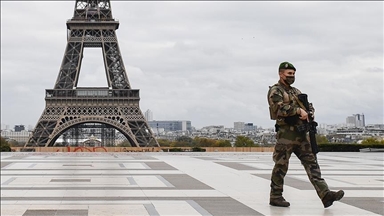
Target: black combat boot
<point>332,196</point>
<point>279,202</point>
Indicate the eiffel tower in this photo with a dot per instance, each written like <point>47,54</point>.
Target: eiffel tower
<point>69,106</point>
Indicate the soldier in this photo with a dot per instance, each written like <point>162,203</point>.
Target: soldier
<point>285,109</point>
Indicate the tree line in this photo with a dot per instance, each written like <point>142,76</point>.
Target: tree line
<point>4,145</point>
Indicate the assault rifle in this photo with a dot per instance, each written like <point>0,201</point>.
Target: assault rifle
<point>311,124</point>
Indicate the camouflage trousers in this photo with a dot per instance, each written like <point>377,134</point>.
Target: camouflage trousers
<point>302,149</point>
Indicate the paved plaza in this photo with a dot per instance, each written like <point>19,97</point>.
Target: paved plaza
<point>166,183</point>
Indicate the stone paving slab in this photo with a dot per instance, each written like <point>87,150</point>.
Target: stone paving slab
<point>193,183</point>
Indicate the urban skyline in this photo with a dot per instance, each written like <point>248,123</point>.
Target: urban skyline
<point>171,130</point>
<point>347,122</point>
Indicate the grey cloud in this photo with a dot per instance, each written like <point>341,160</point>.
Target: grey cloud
<point>209,62</point>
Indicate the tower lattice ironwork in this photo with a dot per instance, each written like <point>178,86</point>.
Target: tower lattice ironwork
<point>68,106</point>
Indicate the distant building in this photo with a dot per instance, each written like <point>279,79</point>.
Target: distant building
<point>238,126</point>
<point>148,115</point>
<point>360,120</point>
<point>5,127</point>
<point>30,128</point>
<point>241,127</point>
<point>356,120</point>
<point>19,128</point>
<point>19,136</point>
<point>170,125</point>
<point>377,126</point>
<point>213,129</point>
<point>375,130</point>
<point>351,121</point>
<point>249,127</point>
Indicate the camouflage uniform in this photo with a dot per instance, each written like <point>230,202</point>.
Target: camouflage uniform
<point>283,104</point>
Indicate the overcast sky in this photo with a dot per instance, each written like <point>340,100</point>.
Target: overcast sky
<point>207,62</point>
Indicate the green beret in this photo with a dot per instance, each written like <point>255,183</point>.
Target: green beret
<point>287,65</point>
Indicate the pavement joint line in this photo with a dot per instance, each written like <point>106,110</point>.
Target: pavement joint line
<point>151,209</point>
<point>167,183</point>
<point>9,181</point>
<point>198,208</point>
<point>131,180</point>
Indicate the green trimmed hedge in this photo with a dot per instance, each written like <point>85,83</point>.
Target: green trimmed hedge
<point>175,150</point>
<point>337,147</point>
<point>198,149</point>
<point>5,148</point>
<point>194,149</point>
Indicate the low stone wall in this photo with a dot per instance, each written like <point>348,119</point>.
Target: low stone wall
<point>137,149</point>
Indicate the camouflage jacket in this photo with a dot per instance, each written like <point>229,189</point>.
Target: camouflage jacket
<point>282,103</point>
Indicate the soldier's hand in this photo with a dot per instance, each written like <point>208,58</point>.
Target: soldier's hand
<point>303,114</point>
